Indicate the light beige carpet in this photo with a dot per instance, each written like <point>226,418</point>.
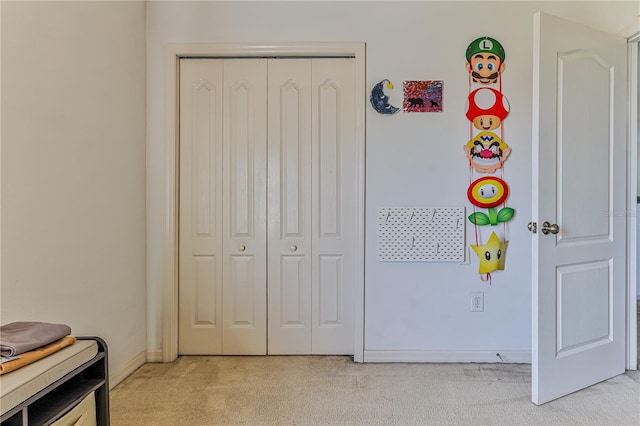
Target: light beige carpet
<point>333,390</point>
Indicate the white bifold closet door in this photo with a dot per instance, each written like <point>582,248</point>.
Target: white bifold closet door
<point>222,270</point>
<point>267,206</point>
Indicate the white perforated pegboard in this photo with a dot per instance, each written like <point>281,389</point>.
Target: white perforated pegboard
<point>421,234</point>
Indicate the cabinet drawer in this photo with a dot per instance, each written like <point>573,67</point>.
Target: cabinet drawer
<point>83,414</point>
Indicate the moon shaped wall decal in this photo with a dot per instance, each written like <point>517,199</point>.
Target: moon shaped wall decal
<point>380,101</point>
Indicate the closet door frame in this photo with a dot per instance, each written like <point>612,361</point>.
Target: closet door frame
<point>174,52</point>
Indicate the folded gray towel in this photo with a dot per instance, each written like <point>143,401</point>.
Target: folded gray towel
<point>24,336</point>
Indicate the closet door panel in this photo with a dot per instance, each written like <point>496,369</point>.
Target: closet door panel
<point>333,204</point>
<point>267,190</point>
<point>200,222</point>
<point>289,246</point>
<point>244,212</point>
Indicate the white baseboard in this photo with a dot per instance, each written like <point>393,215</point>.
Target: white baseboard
<point>116,378</point>
<point>514,357</point>
<point>154,356</point>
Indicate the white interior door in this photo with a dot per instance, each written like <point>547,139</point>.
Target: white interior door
<point>333,205</point>
<point>290,250</point>
<point>312,214</point>
<point>201,232</point>
<point>222,237</point>
<point>244,207</point>
<point>579,184</point>
<point>267,142</point>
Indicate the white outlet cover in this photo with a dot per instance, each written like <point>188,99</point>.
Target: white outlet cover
<point>477,302</point>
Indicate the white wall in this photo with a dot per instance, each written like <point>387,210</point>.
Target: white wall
<point>73,170</point>
<point>411,159</point>
<point>638,187</point>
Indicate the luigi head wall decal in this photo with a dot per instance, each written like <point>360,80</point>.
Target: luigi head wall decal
<point>485,60</point>
<point>486,108</point>
<point>491,255</point>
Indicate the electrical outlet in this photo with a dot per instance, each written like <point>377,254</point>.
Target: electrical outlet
<point>477,302</point>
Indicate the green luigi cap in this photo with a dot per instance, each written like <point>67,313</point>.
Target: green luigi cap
<point>485,44</point>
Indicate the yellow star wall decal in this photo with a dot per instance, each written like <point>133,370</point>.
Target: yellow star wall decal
<point>491,255</point>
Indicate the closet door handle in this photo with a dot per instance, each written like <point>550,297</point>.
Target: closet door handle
<point>242,248</point>
<point>294,247</point>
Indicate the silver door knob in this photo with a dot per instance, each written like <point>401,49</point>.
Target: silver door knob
<point>533,227</point>
<point>242,248</point>
<point>294,247</point>
<point>550,228</point>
